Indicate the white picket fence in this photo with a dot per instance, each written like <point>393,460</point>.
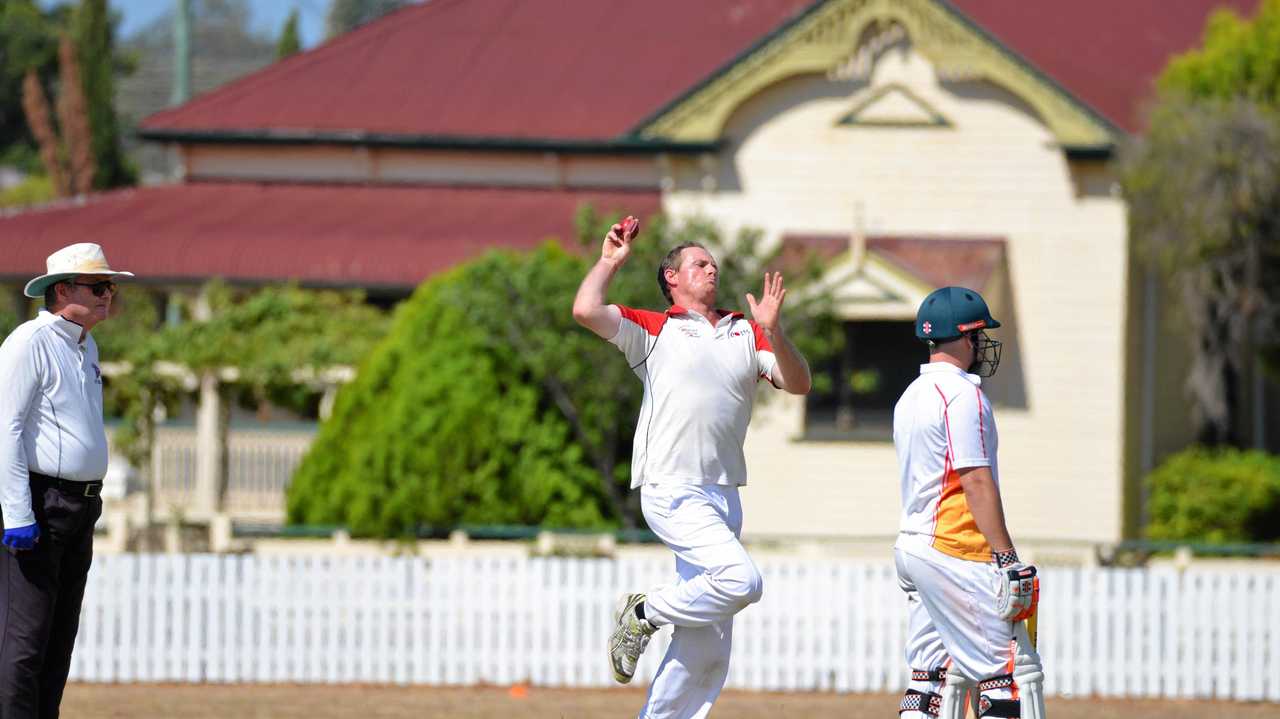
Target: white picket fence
<point>823,625</point>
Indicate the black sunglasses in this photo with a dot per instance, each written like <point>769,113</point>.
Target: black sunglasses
<point>98,288</point>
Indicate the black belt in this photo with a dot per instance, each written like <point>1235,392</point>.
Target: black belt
<point>69,486</point>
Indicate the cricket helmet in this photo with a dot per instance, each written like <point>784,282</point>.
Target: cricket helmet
<point>950,312</point>
<point>953,312</point>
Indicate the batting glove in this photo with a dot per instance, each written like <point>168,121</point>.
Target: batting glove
<point>21,537</point>
<point>1017,587</point>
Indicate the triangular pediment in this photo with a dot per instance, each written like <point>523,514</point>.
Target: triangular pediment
<point>887,277</point>
<point>873,289</point>
<point>831,37</point>
<point>864,285</point>
<point>892,106</point>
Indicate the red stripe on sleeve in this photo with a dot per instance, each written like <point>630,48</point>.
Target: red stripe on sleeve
<point>650,321</point>
<point>762,342</point>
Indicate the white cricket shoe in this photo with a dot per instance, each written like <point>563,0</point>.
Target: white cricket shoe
<point>630,637</point>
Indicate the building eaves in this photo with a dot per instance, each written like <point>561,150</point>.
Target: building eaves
<point>628,145</point>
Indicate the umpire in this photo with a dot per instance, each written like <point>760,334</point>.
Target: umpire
<point>53,455</point>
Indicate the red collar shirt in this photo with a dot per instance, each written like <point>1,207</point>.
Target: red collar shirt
<point>699,387</point>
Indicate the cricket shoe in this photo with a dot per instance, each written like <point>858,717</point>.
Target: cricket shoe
<point>630,637</point>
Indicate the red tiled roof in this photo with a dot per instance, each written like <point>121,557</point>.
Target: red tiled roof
<point>316,234</point>
<point>1105,52</point>
<point>934,261</point>
<point>798,250</point>
<point>596,69</point>
<point>564,69</point>
<point>942,261</point>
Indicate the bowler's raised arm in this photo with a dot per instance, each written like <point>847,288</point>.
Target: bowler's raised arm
<point>589,307</point>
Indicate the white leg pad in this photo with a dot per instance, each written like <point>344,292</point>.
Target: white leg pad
<point>1030,679</point>
<point>957,693</point>
<point>1029,676</point>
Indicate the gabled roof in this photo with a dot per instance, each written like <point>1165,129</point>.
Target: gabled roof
<point>564,69</point>
<point>931,261</point>
<point>337,235</point>
<point>597,70</point>
<point>887,277</point>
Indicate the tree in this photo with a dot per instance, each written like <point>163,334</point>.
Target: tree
<point>1216,495</point>
<point>67,150</point>
<point>1203,187</point>
<point>73,117</point>
<point>289,43</point>
<point>347,15</point>
<point>1239,59</point>
<point>28,42</point>
<point>1204,200</point>
<point>8,323</point>
<point>487,404</point>
<point>40,119</point>
<point>276,338</point>
<point>93,31</point>
<point>441,426</point>
<point>273,334</point>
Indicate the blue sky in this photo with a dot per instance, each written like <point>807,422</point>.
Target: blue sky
<point>268,15</point>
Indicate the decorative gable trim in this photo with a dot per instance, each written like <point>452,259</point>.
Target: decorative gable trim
<point>827,38</point>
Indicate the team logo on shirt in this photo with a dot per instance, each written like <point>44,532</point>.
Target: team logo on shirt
<point>97,374</point>
<point>691,331</point>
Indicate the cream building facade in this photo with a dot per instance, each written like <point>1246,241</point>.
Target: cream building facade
<point>935,152</point>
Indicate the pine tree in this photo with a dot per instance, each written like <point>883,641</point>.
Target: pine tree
<point>93,35</point>
<point>289,43</point>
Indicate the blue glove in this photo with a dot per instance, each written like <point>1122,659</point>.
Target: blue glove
<point>22,537</point>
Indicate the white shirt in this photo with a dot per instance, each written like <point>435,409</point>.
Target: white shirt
<point>50,411</point>
<point>943,423</point>
<point>699,388</point>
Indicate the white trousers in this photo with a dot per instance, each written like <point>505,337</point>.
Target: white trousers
<point>715,579</point>
<point>951,618</point>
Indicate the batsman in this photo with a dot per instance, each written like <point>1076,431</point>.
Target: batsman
<point>967,592</point>
<point>700,366</point>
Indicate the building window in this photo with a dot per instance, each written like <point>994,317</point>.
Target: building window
<point>854,394</point>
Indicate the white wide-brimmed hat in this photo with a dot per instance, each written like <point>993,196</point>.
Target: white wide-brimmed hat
<point>84,258</point>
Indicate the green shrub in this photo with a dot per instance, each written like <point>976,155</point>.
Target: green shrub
<point>1215,495</point>
<point>34,190</point>
<point>8,323</point>
<point>442,425</point>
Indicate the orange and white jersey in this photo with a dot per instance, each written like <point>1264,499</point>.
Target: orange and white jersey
<point>941,424</point>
